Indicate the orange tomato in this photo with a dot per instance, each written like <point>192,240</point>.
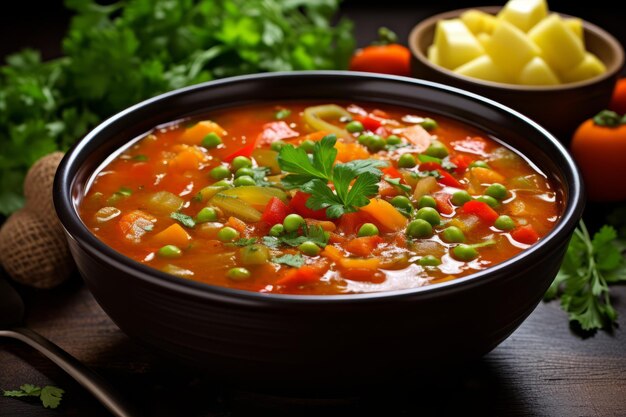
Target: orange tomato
<point>599,151</point>
<point>392,59</point>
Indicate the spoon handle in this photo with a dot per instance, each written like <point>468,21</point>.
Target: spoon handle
<point>81,373</point>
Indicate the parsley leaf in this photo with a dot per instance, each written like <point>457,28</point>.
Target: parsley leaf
<point>582,282</point>
<point>296,260</point>
<point>184,219</point>
<point>260,176</point>
<point>49,395</point>
<point>312,233</point>
<point>398,185</point>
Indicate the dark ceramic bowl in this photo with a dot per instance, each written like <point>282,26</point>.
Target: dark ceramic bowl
<point>270,340</point>
<point>560,108</point>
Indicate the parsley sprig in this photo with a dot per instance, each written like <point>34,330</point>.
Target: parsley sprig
<point>313,175</point>
<point>49,395</point>
<point>590,265</point>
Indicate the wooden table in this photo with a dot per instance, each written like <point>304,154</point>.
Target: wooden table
<point>544,368</point>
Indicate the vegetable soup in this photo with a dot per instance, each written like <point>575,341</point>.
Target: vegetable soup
<point>320,198</point>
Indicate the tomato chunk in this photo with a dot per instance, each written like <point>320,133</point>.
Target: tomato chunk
<point>525,234</point>
<point>298,204</point>
<point>275,211</point>
<point>482,210</point>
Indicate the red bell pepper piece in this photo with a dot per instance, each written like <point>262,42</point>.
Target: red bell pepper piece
<point>447,179</point>
<point>429,166</point>
<point>391,172</point>
<point>525,234</point>
<point>369,122</point>
<point>482,210</point>
<point>275,211</point>
<point>462,162</point>
<point>245,151</point>
<point>298,204</point>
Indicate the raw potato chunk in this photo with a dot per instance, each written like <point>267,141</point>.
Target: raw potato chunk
<point>455,43</point>
<point>478,22</point>
<point>537,72</point>
<point>510,48</point>
<point>483,38</point>
<point>432,54</point>
<point>483,68</point>
<point>524,14</point>
<point>560,47</point>
<point>590,66</point>
<point>576,25</point>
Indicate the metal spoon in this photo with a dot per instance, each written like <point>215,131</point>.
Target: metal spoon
<point>11,318</point>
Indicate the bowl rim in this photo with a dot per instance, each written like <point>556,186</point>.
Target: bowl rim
<point>77,232</point>
<point>427,24</point>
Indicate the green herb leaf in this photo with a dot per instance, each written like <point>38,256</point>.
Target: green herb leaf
<point>296,260</point>
<point>312,233</point>
<point>244,242</point>
<point>260,175</point>
<point>405,189</point>
<point>282,114</point>
<point>183,219</point>
<point>51,396</point>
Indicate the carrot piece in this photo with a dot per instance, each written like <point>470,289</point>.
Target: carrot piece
<point>359,263</point>
<point>196,133</point>
<point>363,275</point>
<point>363,246</point>
<point>307,274</point>
<point>347,152</point>
<point>324,224</point>
<point>482,210</point>
<point>173,235</point>
<point>336,238</point>
<point>134,225</point>
<point>486,175</point>
<point>332,253</point>
<point>525,234</point>
<point>235,223</point>
<point>315,136</point>
<point>185,160</point>
<point>385,214</point>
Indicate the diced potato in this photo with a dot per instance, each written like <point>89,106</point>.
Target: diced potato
<point>537,72</point>
<point>560,47</point>
<point>164,202</point>
<point>255,196</point>
<point>483,38</point>
<point>524,14</point>
<point>478,21</point>
<point>432,54</point>
<point>576,25</point>
<point>484,69</point>
<point>510,48</point>
<point>589,67</point>
<point>456,45</point>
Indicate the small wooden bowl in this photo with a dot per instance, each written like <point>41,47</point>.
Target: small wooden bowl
<point>560,109</point>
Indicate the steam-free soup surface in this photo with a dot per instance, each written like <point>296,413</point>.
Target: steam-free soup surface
<point>319,198</point>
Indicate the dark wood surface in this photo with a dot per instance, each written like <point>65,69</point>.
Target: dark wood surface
<point>544,368</point>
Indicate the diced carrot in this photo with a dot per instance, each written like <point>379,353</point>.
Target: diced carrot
<point>525,234</point>
<point>363,246</point>
<point>187,159</point>
<point>347,152</point>
<point>134,225</point>
<point>350,223</point>
<point>485,175</point>
<point>363,275</point>
<point>418,137</point>
<point>315,136</point>
<point>196,133</point>
<point>173,235</point>
<point>306,274</point>
<point>443,203</point>
<point>359,263</point>
<point>235,223</point>
<point>385,215</point>
<point>482,210</point>
<point>324,224</point>
<point>336,238</point>
<point>332,253</point>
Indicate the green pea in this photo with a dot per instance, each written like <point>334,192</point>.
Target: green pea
<point>460,197</point>
<point>427,201</point>
<point>307,146</point>
<point>376,143</point>
<point>429,124</point>
<point>207,214</point>
<point>497,191</point>
<point>429,260</point>
<point>238,274</point>
<point>465,252</point>
<point>406,160</point>
<point>254,254</point>
<point>278,145</point>
<point>419,228</point>
<point>309,248</point>
<point>364,139</point>
<point>437,150</point>
<point>453,234</point>
<point>479,164</point>
<point>244,180</point>
<point>241,162</point>
<point>211,141</point>
<point>227,234</point>
<point>504,222</point>
<point>368,229</point>
<point>394,140</point>
<point>170,251</point>
<point>277,230</point>
<point>293,222</point>
<point>220,172</point>
<point>492,202</point>
<point>355,126</point>
<point>402,202</point>
<point>429,214</point>
<point>244,171</point>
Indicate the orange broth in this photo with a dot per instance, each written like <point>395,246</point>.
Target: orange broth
<point>130,202</point>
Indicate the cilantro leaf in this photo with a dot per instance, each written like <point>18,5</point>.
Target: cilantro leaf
<point>296,260</point>
<point>51,396</point>
<point>184,219</point>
